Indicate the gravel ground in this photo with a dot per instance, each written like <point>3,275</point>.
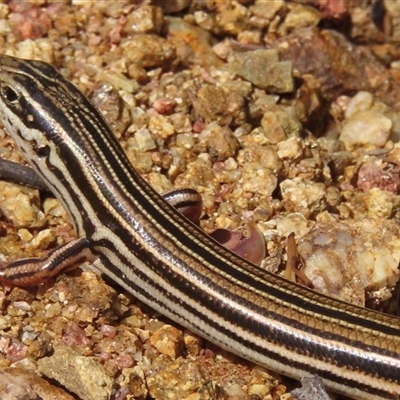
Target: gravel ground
<point>286,114</point>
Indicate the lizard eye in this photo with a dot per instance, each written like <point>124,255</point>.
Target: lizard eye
<point>9,95</point>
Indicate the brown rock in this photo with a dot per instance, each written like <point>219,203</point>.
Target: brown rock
<point>83,376</point>
<point>340,66</point>
<point>168,340</point>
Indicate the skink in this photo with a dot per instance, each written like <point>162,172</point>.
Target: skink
<point>135,237</point>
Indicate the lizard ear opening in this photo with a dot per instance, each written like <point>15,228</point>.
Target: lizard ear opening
<point>41,151</point>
